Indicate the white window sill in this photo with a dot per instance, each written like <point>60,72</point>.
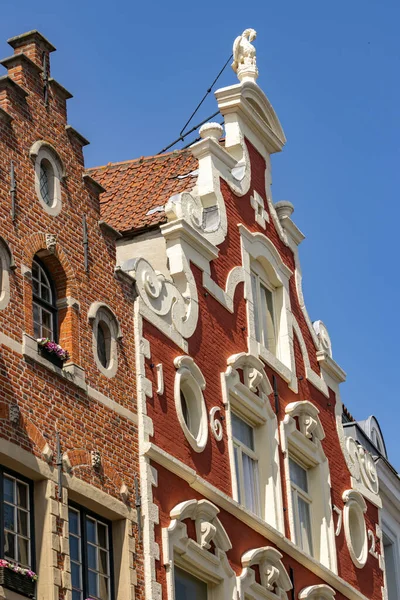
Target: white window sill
<point>70,371</point>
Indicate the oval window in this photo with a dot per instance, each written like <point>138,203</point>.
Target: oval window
<point>189,402</point>
<point>355,528</point>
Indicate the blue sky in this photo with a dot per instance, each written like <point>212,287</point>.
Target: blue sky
<point>331,71</point>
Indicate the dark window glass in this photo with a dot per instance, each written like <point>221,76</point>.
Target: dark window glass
<point>103,344</point>
<point>44,309</point>
<point>16,530</point>
<point>90,555</point>
<point>188,587</point>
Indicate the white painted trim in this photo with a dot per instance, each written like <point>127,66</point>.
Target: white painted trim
<point>190,381</point>
<point>42,150</point>
<point>354,523</point>
<point>250,401</point>
<point>274,579</point>
<point>297,444</point>
<point>99,311</point>
<point>317,592</point>
<point>203,487</point>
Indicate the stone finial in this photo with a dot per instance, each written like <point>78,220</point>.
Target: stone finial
<point>51,241</point>
<point>244,56</point>
<point>211,130</point>
<point>284,209</point>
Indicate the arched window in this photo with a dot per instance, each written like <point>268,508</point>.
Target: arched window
<point>44,308</point>
<point>49,173</point>
<point>106,333</point>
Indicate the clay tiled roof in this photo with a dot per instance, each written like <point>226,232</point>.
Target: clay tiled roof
<point>137,190</point>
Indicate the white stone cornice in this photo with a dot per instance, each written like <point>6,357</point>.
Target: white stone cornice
<point>330,366</point>
<point>210,147</point>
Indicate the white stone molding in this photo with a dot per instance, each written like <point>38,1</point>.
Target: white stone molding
<point>317,592</point>
<point>224,297</point>
<point>275,581</point>
<point>194,556</point>
<point>38,152</point>
<point>201,486</point>
<point>355,529</point>
<point>364,477</point>
<point>5,263</point>
<point>260,214</point>
<point>148,475</point>
<point>215,424</point>
<point>311,376</point>
<point>309,423</point>
<point>190,382</point>
<point>339,521</point>
<point>258,249</point>
<point>296,443</point>
<point>99,312</point>
<point>250,401</point>
<point>372,549</point>
<point>160,379</point>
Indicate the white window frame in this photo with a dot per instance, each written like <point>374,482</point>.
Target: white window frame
<point>190,381</point>
<point>262,281</point>
<point>261,256</point>
<point>248,399</point>
<point>241,449</point>
<point>42,150</point>
<point>298,492</point>
<point>194,555</point>
<point>301,435</point>
<point>98,311</point>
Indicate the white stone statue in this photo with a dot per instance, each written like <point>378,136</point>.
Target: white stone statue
<point>244,56</point>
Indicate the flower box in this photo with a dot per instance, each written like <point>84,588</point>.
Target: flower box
<point>17,582</point>
<point>52,352</point>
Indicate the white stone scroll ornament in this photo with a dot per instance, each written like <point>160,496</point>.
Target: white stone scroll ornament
<point>176,300</point>
<point>273,575</point>
<point>215,424</point>
<point>324,340</point>
<point>244,56</point>
<point>362,466</point>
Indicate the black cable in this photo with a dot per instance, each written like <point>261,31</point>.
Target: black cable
<point>205,95</point>
<point>182,137</point>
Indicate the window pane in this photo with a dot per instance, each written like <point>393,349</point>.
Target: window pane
<point>298,475</point>
<point>188,587</point>
<point>91,556</point>
<point>22,494</point>
<point>9,545</point>
<point>76,576</point>
<point>101,346</point>
<point>9,517</point>
<point>73,521</point>
<point>102,535</point>
<point>91,530</point>
<point>103,588</point>
<point>242,432</point>
<point>250,477</point>
<point>23,551</point>
<point>76,595</point>
<point>305,525</point>
<point>8,490</point>
<point>254,290</point>
<point>22,517</point>
<point>103,562</point>
<point>268,325</point>
<point>92,581</point>
<point>74,548</point>
<point>45,293</point>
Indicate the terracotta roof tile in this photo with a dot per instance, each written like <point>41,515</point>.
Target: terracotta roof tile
<point>137,190</point>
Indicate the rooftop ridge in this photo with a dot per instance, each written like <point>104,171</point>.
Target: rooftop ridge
<point>140,159</point>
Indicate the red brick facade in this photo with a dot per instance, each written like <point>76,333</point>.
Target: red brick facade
<point>116,426</point>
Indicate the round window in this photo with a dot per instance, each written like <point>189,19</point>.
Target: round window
<point>355,528</point>
<point>189,402</point>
